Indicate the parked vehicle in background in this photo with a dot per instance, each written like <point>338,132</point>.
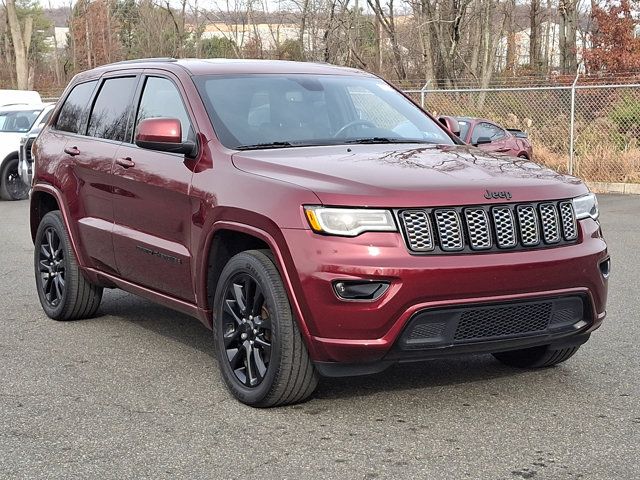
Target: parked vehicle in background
<point>25,161</point>
<point>19,97</point>
<point>317,220</point>
<point>491,137</point>
<point>15,122</point>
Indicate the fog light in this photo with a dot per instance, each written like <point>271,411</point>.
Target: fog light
<point>605,267</point>
<point>359,290</point>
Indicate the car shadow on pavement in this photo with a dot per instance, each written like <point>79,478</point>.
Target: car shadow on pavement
<point>426,374</point>
<point>418,375</point>
<point>158,319</point>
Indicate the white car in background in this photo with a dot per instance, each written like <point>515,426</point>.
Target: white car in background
<point>19,97</point>
<point>25,160</point>
<point>15,122</point>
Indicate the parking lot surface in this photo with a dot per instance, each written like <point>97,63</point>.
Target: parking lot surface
<point>135,393</point>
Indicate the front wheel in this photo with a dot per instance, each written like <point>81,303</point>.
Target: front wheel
<point>260,351</point>
<point>536,357</point>
<point>11,185</point>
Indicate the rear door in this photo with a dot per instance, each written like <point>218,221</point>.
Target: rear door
<point>152,207</point>
<point>93,152</point>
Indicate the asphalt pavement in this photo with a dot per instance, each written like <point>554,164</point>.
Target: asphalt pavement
<point>135,393</point>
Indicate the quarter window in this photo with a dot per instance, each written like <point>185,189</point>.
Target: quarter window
<point>111,109</point>
<point>73,113</point>
<point>161,98</point>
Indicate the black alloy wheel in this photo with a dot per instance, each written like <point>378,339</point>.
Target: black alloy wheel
<point>246,330</point>
<point>52,267</point>
<point>64,292</point>
<point>261,354</point>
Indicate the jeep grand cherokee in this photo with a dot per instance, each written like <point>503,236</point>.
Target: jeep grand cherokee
<point>313,217</point>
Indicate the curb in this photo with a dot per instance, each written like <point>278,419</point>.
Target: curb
<point>622,188</point>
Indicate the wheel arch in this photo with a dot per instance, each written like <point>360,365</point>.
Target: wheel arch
<point>227,238</point>
<point>44,199</point>
<point>11,156</point>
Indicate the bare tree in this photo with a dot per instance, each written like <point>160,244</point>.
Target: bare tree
<point>568,31</point>
<point>21,38</point>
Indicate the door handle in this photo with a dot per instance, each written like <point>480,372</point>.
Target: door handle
<point>73,151</point>
<point>125,162</point>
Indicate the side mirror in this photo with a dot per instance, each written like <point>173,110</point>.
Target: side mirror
<point>482,141</point>
<point>163,134</point>
<point>452,124</point>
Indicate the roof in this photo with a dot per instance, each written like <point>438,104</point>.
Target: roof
<point>224,66</point>
<point>19,107</point>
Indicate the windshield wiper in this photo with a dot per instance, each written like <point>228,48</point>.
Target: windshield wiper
<point>261,146</point>
<point>385,140</point>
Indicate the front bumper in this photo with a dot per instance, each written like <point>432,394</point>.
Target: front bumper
<point>364,332</point>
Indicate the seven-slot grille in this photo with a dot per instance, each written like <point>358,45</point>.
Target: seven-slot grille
<point>487,227</point>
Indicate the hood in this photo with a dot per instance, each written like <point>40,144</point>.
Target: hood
<point>409,175</point>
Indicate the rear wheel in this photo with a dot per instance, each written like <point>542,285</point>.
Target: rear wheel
<point>260,351</point>
<point>11,185</point>
<point>64,293</point>
<point>536,357</point>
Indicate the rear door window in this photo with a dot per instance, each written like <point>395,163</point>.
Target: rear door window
<point>111,109</point>
<point>74,111</point>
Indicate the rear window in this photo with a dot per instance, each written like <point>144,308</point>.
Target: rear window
<point>73,113</point>
<point>111,109</point>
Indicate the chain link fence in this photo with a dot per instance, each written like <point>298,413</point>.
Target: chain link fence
<point>592,131</point>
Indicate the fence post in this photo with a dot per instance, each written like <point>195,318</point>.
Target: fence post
<point>573,119</point>
<point>422,92</point>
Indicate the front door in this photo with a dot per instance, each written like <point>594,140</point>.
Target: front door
<point>152,207</point>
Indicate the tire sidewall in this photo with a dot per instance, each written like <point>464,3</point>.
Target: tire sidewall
<point>248,264</point>
<point>53,220</point>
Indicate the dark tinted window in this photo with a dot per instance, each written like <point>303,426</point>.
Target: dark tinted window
<point>487,130</point>
<point>161,98</point>
<point>73,113</point>
<point>111,109</point>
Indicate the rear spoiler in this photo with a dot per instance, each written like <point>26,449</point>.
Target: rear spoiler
<point>517,132</point>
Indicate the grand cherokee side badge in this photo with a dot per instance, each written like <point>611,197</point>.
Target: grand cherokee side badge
<point>489,195</point>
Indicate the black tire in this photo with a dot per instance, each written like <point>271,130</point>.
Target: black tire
<point>11,185</point>
<point>63,291</point>
<point>536,357</point>
<point>260,351</point>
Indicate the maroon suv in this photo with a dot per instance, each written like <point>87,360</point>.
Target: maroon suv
<point>313,217</point>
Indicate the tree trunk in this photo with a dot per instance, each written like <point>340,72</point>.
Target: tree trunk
<point>534,36</point>
<point>568,27</point>
<point>21,37</point>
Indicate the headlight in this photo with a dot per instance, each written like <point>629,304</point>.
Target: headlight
<point>349,222</point>
<point>586,206</point>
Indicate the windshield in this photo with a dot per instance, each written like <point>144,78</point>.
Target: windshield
<point>18,121</point>
<point>265,111</point>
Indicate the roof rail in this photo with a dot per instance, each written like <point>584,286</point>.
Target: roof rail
<point>145,60</point>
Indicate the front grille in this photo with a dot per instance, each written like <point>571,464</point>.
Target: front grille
<point>486,227</point>
<point>449,230</point>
